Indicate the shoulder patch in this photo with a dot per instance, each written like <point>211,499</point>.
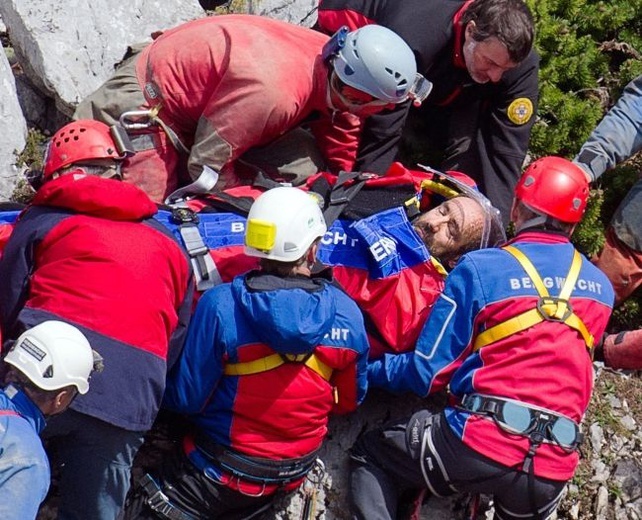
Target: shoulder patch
<point>520,111</point>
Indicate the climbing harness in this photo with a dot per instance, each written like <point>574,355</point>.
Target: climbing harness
<point>548,308</point>
<point>276,360</point>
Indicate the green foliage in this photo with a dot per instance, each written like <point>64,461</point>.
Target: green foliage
<point>585,63</point>
<point>32,156</point>
<point>589,234</point>
<point>33,153</point>
<point>628,315</point>
<point>589,49</point>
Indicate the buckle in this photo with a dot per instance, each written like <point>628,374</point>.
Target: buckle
<point>183,215</point>
<point>545,303</point>
<point>472,402</point>
<point>155,496</point>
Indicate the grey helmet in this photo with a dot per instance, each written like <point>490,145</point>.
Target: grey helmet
<point>377,61</point>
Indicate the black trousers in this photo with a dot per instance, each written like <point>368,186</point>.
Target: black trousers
<point>387,463</point>
<point>196,494</point>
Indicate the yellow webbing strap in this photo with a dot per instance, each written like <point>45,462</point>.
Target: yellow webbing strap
<point>275,360</point>
<point>439,188</point>
<point>555,308</point>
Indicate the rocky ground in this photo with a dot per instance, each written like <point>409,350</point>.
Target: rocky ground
<point>607,485</point>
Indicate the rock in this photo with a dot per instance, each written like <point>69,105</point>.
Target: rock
<point>68,53</point>
<point>13,129</point>
<point>301,12</point>
<point>628,422</point>
<point>601,471</point>
<point>601,503</point>
<point>596,436</point>
<point>628,477</point>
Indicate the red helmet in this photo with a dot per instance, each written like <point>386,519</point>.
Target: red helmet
<point>555,187</point>
<point>79,141</point>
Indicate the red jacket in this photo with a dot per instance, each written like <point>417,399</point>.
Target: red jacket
<point>88,251</point>
<point>229,83</point>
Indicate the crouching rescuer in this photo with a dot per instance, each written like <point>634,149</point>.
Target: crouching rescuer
<point>511,336</point>
<point>46,368</point>
<point>267,358</point>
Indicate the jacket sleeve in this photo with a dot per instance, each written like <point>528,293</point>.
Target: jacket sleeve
<point>351,382</point>
<point>337,138</point>
<point>443,344</point>
<point>235,120</point>
<point>17,263</point>
<point>177,339</point>
<point>198,370</point>
<point>618,136</point>
<point>506,134</point>
<point>380,139</point>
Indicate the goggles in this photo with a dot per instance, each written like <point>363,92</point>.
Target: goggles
<point>350,103</point>
<point>418,92</point>
<point>538,424</point>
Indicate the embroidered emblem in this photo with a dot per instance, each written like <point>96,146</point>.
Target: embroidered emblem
<point>520,111</point>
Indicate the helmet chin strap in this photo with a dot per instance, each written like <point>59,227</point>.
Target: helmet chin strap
<point>538,221</point>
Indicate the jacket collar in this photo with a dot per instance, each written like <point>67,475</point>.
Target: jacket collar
<point>95,196</point>
<point>25,407</point>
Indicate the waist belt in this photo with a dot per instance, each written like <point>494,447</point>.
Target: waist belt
<point>255,469</point>
<point>538,424</point>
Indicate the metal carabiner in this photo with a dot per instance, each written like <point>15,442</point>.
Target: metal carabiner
<point>131,120</point>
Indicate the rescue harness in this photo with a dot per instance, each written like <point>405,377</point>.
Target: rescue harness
<point>538,425</point>
<point>273,361</point>
<point>548,308</point>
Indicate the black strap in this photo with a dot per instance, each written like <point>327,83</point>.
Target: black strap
<point>341,195</point>
<point>158,501</point>
<point>224,202</point>
<point>254,469</point>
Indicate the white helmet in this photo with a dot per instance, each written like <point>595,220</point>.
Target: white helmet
<point>377,61</point>
<point>282,224</point>
<point>53,355</point>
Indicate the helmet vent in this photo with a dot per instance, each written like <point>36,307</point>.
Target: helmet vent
<point>48,374</point>
<point>289,246</point>
<point>348,70</point>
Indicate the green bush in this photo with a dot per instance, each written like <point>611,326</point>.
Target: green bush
<point>589,51</point>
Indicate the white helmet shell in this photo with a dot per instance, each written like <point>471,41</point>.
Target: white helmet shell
<point>53,355</point>
<point>377,61</point>
<point>282,224</point>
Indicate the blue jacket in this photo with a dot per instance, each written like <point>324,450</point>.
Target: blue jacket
<point>282,412</point>
<point>535,366</point>
<point>24,467</point>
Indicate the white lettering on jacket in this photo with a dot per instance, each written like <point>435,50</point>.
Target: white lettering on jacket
<point>383,248</point>
<point>238,227</point>
<point>557,282</point>
<point>337,237</point>
<point>337,334</point>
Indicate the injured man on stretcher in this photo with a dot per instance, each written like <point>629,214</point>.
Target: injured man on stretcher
<point>390,241</point>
